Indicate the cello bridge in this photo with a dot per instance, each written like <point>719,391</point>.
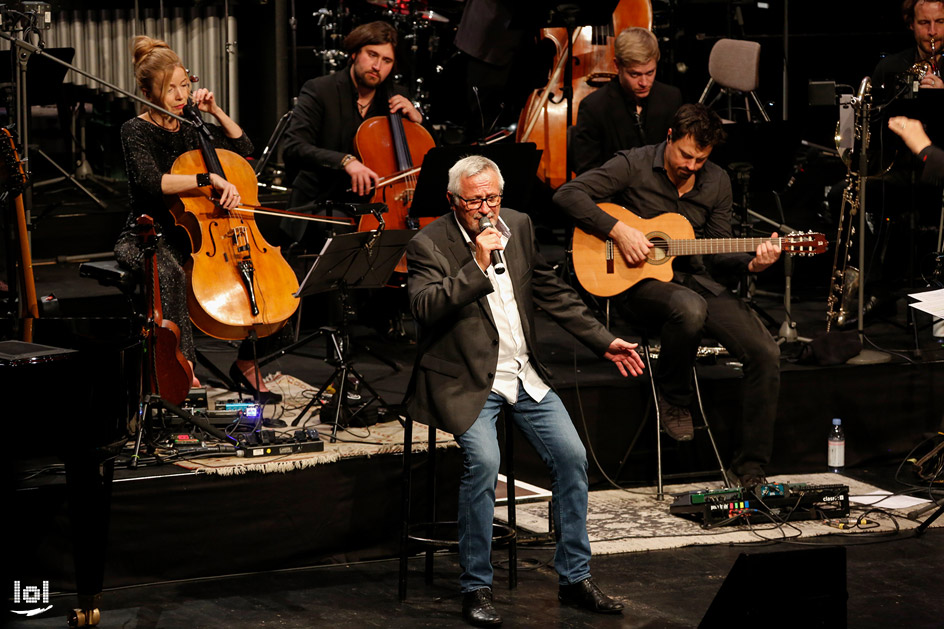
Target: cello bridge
<point>405,196</point>
<point>239,236</point>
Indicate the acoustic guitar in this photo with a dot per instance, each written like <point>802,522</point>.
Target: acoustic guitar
<point>603,271</point>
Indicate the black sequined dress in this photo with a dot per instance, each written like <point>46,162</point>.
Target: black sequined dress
<point>150,151</point>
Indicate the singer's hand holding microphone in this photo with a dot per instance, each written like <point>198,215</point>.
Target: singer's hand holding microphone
<point>488,246</point>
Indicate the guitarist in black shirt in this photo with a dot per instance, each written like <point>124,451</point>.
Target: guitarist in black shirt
<point>676,176</point>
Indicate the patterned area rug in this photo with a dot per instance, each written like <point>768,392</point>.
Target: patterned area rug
<point>621,522</point>
<point>381,438</point>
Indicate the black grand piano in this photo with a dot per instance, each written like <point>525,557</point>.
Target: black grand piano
<point>79,380</point>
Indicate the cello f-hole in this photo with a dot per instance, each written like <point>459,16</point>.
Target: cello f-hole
<point>212,236</point>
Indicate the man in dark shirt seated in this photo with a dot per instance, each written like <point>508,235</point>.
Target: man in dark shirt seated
<point>632,110</point>
<point>676,176</point>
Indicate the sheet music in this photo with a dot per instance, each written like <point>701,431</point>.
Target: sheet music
<point>931,302</point>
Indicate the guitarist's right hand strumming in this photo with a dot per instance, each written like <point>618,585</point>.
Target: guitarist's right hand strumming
<point>631,242</point>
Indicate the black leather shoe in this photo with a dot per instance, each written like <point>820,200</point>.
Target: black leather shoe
<point>477,608</point>
<point>747,480</point>
<point>264,397</point>
<point>586,594</point>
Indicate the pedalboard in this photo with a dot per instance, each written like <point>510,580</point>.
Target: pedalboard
<point>270,443</point>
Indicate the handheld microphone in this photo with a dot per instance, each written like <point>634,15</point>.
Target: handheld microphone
<point>497,262</point>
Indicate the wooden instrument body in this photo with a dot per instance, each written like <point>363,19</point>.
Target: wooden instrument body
<point>543,119</point>
<point>13,178</point>
<point>603,271</point>
<point>389,145</point>
<point>169,372</point>
<point>219,296</point>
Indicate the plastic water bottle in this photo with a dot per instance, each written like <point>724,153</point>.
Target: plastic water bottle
<point>836,453</point>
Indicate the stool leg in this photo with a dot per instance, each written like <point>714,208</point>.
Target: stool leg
<point>660,493</point>
<point>431,499</point>
<point>711,437</point>
<point>512,515</point>
<point>405,490</point>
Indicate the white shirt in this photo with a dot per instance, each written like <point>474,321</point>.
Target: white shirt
<point>513,363</point>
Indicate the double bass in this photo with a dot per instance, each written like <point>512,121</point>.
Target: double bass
<point>544,117</point>
<point>239,283</point>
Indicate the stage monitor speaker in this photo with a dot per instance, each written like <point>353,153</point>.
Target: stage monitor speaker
<point>797,588</point>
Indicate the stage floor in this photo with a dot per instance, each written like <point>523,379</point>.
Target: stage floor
<point>187,550</point>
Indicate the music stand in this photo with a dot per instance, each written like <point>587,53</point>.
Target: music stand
<point>517,162</point>
<point>356,260</point>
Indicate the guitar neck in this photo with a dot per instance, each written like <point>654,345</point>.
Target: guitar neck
<point>706,246</point>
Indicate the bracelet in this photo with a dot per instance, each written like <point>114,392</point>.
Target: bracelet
<point>347,159</point>
<point>203,180</point>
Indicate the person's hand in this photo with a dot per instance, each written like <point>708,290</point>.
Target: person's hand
<point>631,242</point>
<point>402,104</point>
<point>362,177</point>
<point>931,81</point>
<point>911,131</point>
<point>228,193</point>
<point>767,254</point>
<point>623,355</point>
<point>204,100</point>
<point>487,241</point>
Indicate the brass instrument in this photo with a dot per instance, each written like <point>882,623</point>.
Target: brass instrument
<point>845,278</point>
<point>924,67</point>
<point>920,70</point>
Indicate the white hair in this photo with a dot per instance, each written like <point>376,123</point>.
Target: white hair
<point>471,166</point>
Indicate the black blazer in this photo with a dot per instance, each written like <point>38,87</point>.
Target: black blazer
<point>321,133</point>
<point>606,124</point>
<point>458,340</point>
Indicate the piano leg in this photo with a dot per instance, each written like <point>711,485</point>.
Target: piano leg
<point>88,480</point>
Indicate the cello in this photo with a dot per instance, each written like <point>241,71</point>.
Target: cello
<point>239,283</point>
<point>543,119</point>
<point>169,373</point>
<point>390,145</point>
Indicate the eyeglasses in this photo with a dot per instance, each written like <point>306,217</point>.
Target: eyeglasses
<point>493,200</point>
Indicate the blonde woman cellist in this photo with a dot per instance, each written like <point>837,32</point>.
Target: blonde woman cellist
<point>151,143</point>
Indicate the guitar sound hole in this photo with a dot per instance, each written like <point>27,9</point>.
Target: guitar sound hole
<point>659,252</point>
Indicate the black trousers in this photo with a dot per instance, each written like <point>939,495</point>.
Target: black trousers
<point>681,313</point>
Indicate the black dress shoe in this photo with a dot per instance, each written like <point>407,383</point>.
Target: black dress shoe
<point>477,608</point>
<point>749,479</point>
<point>586,594</point>
<point>264,397</point>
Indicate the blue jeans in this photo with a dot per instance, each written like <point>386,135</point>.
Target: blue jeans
<point>547,426</point>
